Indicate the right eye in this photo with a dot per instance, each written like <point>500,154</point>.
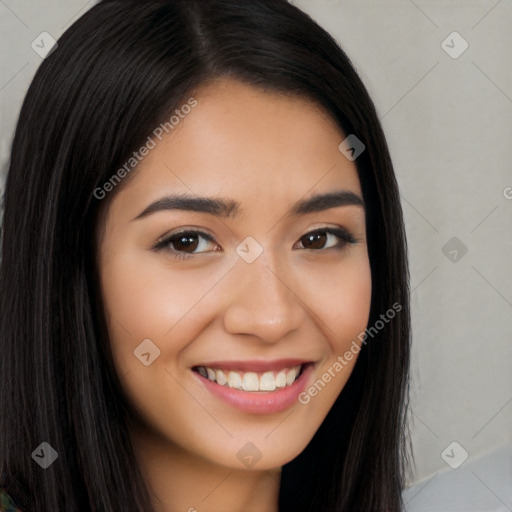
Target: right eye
<point>185,244</point>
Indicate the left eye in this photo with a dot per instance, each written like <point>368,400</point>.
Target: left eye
<point>319,238</point>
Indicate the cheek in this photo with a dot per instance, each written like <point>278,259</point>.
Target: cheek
<point>139,305</point>
<point>343,304</point>
<point>145,300</point>
<point>344,311</point>
<point>348,314</point>
<point>143,303</point>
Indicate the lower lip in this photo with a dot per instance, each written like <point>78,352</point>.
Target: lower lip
<point>260,402</point>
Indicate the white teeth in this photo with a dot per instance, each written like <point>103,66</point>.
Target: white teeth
<point>220,377</point>
<point>252,381</point>
<point>281,380</point>
<point>267,382</point>
<point>234,380</point>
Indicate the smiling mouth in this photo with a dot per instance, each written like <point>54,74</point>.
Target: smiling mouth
<point>252,381</point>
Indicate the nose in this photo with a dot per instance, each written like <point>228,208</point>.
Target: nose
<point>263,303</point>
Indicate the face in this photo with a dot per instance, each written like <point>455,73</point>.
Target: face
<point>230,318</point>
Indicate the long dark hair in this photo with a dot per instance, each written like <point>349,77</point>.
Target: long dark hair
<point>116,74</point>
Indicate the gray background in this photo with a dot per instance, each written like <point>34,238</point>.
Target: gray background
<point>449,126</point>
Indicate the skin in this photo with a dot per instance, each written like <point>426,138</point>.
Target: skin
<point>266,151</point>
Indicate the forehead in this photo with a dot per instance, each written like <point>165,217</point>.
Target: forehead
<point>265,149</point>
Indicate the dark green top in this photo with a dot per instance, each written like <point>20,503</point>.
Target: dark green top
<point>7,503</point>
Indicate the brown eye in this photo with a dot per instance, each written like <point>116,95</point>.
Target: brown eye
<point>318,239</point>
<point>184,242</point>
<point>314,240</point>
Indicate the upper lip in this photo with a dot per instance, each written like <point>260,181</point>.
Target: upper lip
<point>256,365</point>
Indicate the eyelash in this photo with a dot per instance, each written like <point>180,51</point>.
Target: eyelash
<point>164,243</point>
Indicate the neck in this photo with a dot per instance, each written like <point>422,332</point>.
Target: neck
<point>181,481</point>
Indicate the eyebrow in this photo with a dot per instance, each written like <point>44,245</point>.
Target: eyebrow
<point>228,208</point>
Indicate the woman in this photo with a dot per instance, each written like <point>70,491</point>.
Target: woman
<point>204,300</point>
